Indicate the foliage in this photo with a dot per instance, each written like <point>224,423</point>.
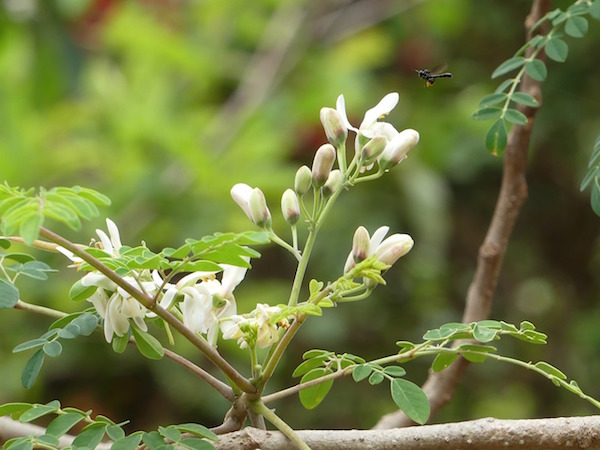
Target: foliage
<point>573,22</point>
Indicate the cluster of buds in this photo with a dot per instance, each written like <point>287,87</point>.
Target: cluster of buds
<point>387,251</point>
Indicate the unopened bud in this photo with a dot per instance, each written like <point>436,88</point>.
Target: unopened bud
<point>336,131</point>
<point>333,183</point>
<point>303,180</point>
<point>393,248</point>
<point>261,215</point>
<point>322,164</point>
<point>241,195</point>
<point>396,150</point>
<point>361,244</point>
<point>373,149</point>
<point>290,207</point>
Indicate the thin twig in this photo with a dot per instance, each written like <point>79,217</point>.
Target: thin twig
<point>440,386</point>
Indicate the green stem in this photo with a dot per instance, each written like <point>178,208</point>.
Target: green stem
<point>285,245</point>
<point>237,378</point>
<point>259,408</point>
<point>40,310</point>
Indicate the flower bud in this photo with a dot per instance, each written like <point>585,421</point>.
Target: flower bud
<point>336,131</point>
<point>393,248</point>
<point>290,207</point>
<point>322,164</point>
<point>361,244</point>
<point>373,149</point>
<point>241,195</point>
<point>261,215</point>
<point>396,150</point>
<point>333,183</point>
<point>303,180</point>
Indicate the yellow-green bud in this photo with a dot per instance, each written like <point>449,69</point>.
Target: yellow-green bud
<point>336,131</point>
<point>322,164</point>
<point>290,207</point>
<point>333,183</point>
<point>373,149</point>
<point>261,215</point>
<point>303,180</point>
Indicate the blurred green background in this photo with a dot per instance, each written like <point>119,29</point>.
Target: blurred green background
<point>164,105</point>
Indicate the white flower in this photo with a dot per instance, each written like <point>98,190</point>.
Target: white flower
<point>254,328</point>
<point>206,300</point>
<point>397,143</point>
<point>387,251</point>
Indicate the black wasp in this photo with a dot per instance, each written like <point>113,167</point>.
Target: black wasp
<point>430,77</point>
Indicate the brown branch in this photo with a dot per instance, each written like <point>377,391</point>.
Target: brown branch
<point>482,434</point>
<point>440,387</point>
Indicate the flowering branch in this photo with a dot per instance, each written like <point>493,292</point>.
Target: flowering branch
<point>237,378</point>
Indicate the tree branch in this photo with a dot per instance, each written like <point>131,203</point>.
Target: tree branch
<point>440,386</point>
<point>482,434</point>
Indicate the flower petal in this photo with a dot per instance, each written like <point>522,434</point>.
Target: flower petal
<point>377,238</point>
<point>385,105</point>
<point>340,106</point>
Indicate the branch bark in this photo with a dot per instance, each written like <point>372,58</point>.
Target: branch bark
<point>440,387</point>
<point>481,434</point>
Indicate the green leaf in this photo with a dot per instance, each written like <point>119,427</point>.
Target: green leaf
<point>33,343</point>
<point>14,409</point>
<point>70,331</point>
<point>197,430</point>
<point>115,432</point>
<point>312,396</point>
<point>405,346</point>
<point>9,295</point>
<point>38,411</point>
<point>196,444</point>
<point>19,257</point>
<point>4,243</point>
<point>487,113</point>
<point>595,197</point>
<point>557,49</point>
<point>550,370</point>
<point>36,270</point>
<point>119,343</point>
<point>147,344</point>
<point>49,440</point>
<point>63,214</point>
<point>87,323</point>
<point>536,69</point>
<point>594,10</point>
<point>153,440</point>
<point>80,292</point>
<point>309,364</point>
<point>361,372</point>
<point>170,433</point>
<point>89,438</point>
<point>526,325</point>
<point>394,371</point>
<point>492,99</point>
<point>376,378</point>
<point>505,84</point>
<point>19,444</point>
<point>524,99</point>
<point>127,443</point>
<point>514,116</point>
<point>442,361</point>
<point>63,423</point>
<point>576,26</point>
<point>52,349</point>
<point>32,369</point>
<point>411,399</point>
<point>496,138</point>
<point>29,228</point>
<point>508,66</point>
<point>484,334</point>
<point>315,353</point>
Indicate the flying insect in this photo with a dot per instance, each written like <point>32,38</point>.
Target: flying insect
<point>430,77</point>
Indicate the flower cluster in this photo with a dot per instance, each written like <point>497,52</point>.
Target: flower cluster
<point>199,298</point>
<point>254,328</point>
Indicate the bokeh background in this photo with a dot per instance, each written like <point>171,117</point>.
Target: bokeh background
<point>163,105</point>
